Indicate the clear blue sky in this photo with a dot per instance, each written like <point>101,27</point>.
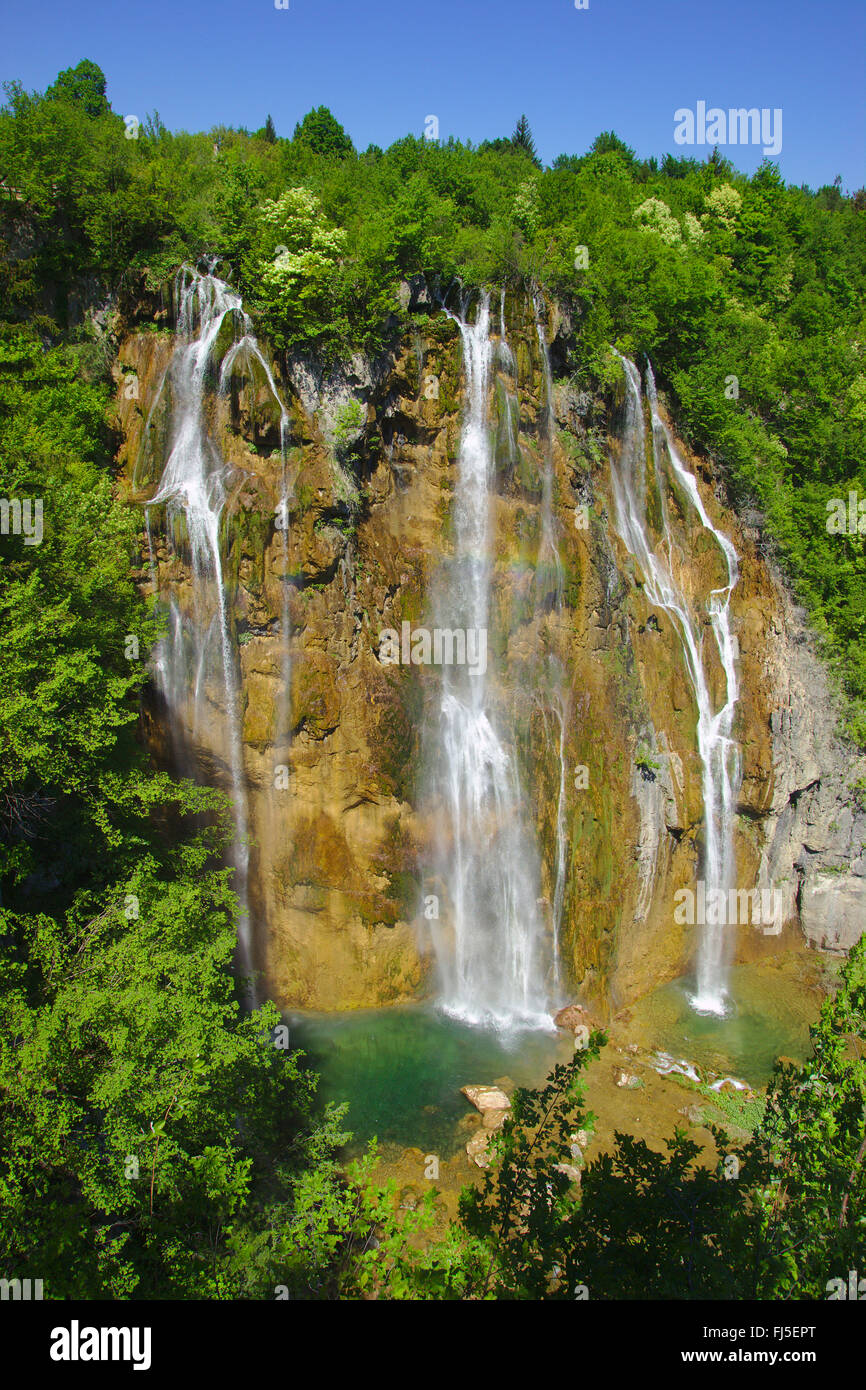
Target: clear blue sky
<point>382,66</point>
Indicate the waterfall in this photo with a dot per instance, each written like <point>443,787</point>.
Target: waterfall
<point>490,956</point>
<point>193,491</point>
<point>719,754</point>
<point>241,355</point>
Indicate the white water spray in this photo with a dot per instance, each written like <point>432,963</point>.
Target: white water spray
<point>491,958</point>
<point>719,754</point>
<point>192,489</point>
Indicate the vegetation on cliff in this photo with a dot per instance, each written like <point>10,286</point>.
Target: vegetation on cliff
<point>153,1136</point>
<point>156,1141</point>
<point>750,304</point>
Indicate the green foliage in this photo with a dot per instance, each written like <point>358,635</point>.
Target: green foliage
<point>84,86</point>
<point>805,1168</point>
<point>645,762</point>
<point>350,421</point>
<point>155,1142</point>
<point>295,267</point>
<point>322,133</point>
<point>121,1036</point>
<point>777,1217</point>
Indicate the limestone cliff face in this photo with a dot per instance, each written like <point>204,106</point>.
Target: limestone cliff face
<point>339,828</point>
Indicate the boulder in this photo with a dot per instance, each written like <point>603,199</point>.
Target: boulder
<point>494,1119</point>
<point>693,1113</point>
<point>477,1150</point>
<point>572,1173</point>
<point>486,1097</point>
<point>572,1017</point>
<point>624,1078</point>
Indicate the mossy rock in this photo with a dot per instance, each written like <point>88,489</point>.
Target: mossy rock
<point>318,855</point>
<point>396,703</point>
<point>315,698</point>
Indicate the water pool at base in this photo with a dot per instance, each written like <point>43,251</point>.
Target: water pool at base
<point>770,1010</point>
<point>401,1069</point>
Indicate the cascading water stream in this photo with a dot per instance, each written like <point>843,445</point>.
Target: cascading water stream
<point>192,489</point>
<point>243,353</point>
<point>718,752</point>
<point>491,962</point>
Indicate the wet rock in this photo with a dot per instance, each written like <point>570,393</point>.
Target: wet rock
<point>494,1119</point>
<point>728,1086</point>
<point>477,1150</point>
<point>572,1017</point>
<point>623,1078</point>
<point>486,1097</point>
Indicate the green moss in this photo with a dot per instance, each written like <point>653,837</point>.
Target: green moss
<point>397,702</point>
<point>527,473</point>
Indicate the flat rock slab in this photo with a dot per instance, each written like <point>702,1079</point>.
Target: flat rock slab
<point>486,1097</point>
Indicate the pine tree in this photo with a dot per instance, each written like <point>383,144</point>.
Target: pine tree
<point>270,130</point>
<point>522,139</point>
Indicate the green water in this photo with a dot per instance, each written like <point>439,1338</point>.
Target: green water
<point>401,1070</point>
<point>769,1015</point>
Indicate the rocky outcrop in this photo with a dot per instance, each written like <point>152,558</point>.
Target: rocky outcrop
<point>338,824</point>
<point>486,1098</point>
<point>814,826</point>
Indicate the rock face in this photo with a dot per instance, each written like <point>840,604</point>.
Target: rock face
<point>833,910</point>
<point>814,830</point>
<point>338,824</point>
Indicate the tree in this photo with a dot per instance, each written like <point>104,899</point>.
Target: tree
<point>522,140</point>
<point>270,130</point>
<point>779,1216</point>
<point>321,132</point>
<point>298,256</point>
<point>155,1142</point>
<point>609,143</point>
<point>84,86</point>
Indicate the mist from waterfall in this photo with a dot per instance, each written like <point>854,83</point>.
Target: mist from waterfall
<point>719,753</point>
<point>193,491</point>
<point>490,947</point>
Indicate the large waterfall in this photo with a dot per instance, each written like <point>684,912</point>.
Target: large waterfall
<point>658,562</point>
<point>491,949</point>
<point>196,663</point>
